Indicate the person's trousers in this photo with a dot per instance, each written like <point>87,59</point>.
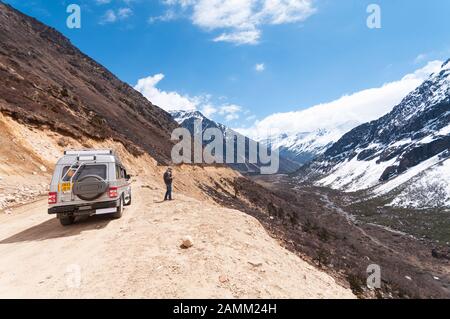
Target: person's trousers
<point>168,193</point>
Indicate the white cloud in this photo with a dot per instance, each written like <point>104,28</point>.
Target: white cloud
<point>169,101</point>
<point>420,58</point>
<point>349,110</point>
<point>229,109</point>
<point>209,110</point>
<point>231,117</point>
<point>230,112</point>
<point>169,15</point>
<point>124,13</point>
<point>100,2</point>
<point>112,16</point>
<point>240,21</point>
<point>242,37</point>
<point>173,101</point>
<point>260,67</point>
<point>109,17</point>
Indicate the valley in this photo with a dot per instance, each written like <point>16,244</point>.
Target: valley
<point>336,234</point>
<point>343,199</point>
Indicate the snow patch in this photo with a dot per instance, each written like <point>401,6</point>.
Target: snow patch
<point>406,176</point>
<point>431,189</point>
<point>354,175</point>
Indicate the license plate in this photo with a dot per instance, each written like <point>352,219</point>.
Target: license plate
<point>66,187</point>
<point>105,211</point>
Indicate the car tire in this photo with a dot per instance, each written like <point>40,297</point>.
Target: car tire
<point>129,202</point>
<point>119,212</point>
<point>67,220</point>
<point>90,188</point>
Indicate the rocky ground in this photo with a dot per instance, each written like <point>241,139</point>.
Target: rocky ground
<point>21,195</point>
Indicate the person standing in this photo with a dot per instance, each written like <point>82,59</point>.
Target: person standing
<point>168,180</point>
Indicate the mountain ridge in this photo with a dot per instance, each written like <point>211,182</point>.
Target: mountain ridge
<point>303,147</point>
<point>45,80</point>
<point>187,120</point>
<point>399,144</point>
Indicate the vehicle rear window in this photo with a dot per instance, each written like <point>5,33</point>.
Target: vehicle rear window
<point>98,170</point>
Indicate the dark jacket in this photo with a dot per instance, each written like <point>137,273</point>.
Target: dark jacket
<point>168,178</point>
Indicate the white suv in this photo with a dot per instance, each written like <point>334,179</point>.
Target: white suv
<point>88,182</point>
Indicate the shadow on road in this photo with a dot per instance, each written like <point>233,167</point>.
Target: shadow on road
<point>51,229</point>
<point>160,202</point>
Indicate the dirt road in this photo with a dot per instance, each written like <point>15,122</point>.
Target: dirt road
<point>139,256</point>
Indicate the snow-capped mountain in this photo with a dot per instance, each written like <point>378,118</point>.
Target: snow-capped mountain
<point>306,146</point>
<point>187,119</point>
<point>404,154</point>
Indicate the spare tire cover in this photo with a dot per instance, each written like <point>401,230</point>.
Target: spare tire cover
<point>90,187</point>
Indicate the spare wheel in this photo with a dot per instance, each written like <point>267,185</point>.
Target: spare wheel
<point>90,187</point>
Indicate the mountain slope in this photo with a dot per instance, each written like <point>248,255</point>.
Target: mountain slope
<point>304,147</point>
<point>390,156</point>
<point>46,81</point>
<point>187,120</point>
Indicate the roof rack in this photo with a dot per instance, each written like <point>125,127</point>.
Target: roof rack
<point>89,152</point>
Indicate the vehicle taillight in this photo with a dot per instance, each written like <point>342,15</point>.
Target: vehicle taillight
<point>113,192</point>
<point>52,198</point>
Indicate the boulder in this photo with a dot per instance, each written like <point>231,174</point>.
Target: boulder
<point>187,242</point>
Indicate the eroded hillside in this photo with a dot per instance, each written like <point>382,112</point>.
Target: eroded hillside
<point>47,82</point>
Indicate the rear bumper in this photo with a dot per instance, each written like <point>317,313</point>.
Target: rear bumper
<point>82,209</point>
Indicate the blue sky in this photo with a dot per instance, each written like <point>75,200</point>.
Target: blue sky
<point>244,63</point>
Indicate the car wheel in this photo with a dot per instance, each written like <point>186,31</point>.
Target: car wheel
<point>129,201</point>
<point>119,212</point>
<point>67,220</point>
